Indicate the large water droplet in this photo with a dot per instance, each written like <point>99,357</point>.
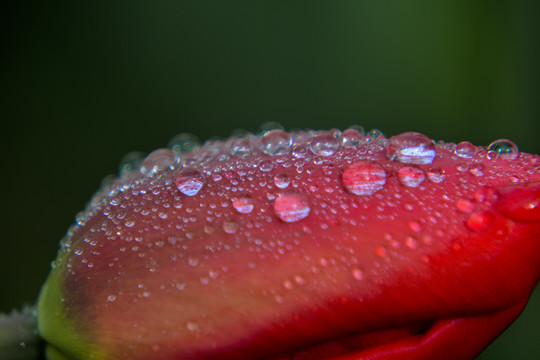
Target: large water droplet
<point>504,148</point>
<point>465,150</point>
<point>410,176</point>
<point>276,142</point>
<point>243,204</point>
<point>282,180</point>
<point>324,144</point>
<point>189,181</point>
<point>351,138</point>
<point>291,207</point>
<point>157,161</point>
<point>411,148</point>
<point>363,178</point>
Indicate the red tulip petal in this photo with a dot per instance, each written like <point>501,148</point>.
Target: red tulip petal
<point>449,339</point>
<point>298,244</point>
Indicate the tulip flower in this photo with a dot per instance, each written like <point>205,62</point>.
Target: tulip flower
<point>303,245</point>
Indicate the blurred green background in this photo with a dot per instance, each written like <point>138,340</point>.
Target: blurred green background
<point>83,83</point>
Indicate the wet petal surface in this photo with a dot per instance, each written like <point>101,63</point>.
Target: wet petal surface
<point>282,243</point>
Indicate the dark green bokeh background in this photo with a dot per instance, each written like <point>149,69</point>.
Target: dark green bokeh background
<point>83,83</point>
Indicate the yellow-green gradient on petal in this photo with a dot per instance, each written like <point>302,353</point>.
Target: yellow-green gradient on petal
<point>66,337</point>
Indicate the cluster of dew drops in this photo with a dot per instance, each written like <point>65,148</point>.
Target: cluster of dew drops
<point>194,163</point>
<point>189,165</point>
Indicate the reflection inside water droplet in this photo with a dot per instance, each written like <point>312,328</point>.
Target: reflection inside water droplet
<point>189,181</point>
<point>357,274</point>
<point>504,149</point>
<point>363,178</point>
<point>410,176</point>
<point>230,227</point>
<point>282,180</point>
<point>411,148</point>
<point>436,175</point>
<point>291,207</point>
<point>192,326</point>
<point>157,161</point>
<point>465,150</point>
<point>276,142</point>
<point>324,144</point>
<point>243,204</point>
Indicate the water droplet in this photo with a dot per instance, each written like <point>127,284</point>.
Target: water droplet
<point>380,251</point>
<point>192,326</point>
<point>415,226</point>
<point>436,175</point>
<point>183,142</point>
<point>300,151</point>
<point>243,204</point>
<point>230,227</point>
<point>411,242</point>
<point>287,284</point>
<point>479,221</point>
<point>410,176</point>
<point>357,274</point>
<point>465,150</point>
<point>374,134</point>
<point>291,207</point>
<point>266,165</point>
<point>351,138</point>
<point>129,223</point>
<point>276,142</point>
<point>299,280</point>
<point>324,144</point>
<point>411,148</point>
<point>477,170</point>
<point>189,181</point>
<point>193,261</point>
<point>464,205</point>
<point>157,161</point>
<point>505,149</point>
<point>282,181</point>
<point>111,297</point>
<point>363,178</point>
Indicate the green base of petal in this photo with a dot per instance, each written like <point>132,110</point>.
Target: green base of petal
<point>66,338</point>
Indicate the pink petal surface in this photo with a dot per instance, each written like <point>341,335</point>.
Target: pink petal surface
<point>295,240</point>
